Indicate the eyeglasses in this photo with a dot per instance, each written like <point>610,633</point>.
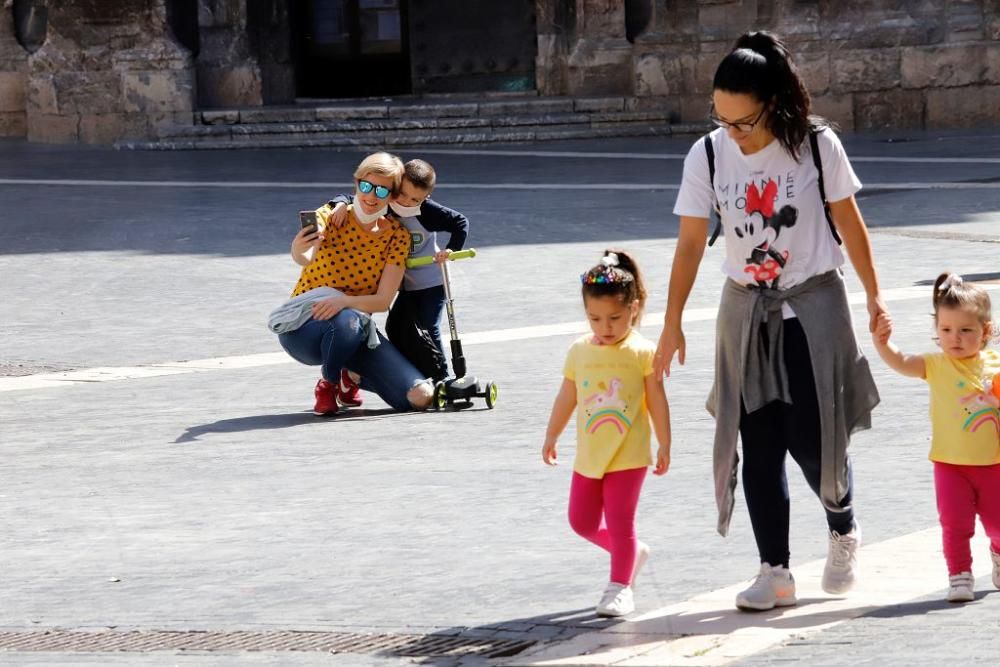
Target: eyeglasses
<point>744,127</point>
<point>381,191</point>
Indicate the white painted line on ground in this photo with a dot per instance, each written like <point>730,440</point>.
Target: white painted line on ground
<point>316,185</point>
<point>708,630</point>
<point>113,374</point>
<point>494,152</point>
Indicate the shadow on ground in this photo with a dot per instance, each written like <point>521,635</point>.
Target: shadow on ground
<point>270,422</point>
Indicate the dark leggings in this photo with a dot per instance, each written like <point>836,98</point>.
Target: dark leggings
<point>771,432</point>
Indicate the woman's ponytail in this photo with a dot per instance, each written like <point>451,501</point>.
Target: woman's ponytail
<point>760,65</point>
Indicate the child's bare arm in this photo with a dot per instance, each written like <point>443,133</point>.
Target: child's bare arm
<point>659,415</point>
<point>562,410</point>
<point>911,365</point>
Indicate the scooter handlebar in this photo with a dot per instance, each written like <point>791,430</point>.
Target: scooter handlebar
<point>413,263</point>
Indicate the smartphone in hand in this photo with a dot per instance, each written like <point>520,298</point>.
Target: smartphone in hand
<point>309,219</point>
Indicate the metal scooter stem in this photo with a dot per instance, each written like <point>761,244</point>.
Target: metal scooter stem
<point>457,356</point>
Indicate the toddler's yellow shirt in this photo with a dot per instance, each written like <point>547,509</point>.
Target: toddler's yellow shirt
<point>966,431</point>
<point>612,423</point>
<point>351,259</point>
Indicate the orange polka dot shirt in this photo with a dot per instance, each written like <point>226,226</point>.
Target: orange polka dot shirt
<point>351,259</point>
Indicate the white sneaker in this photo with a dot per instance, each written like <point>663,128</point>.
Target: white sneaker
<point>841,569</point>
<point>641,556</point>
<point>996,567</point>
<point>773,587</point>
<point>962,587</point>
<point>617,601</point>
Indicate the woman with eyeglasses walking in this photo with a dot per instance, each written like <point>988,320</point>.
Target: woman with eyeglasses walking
<point>790,377</point>
<point>348,273</point>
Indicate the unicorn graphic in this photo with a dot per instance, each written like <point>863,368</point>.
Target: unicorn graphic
<point>606,398</point>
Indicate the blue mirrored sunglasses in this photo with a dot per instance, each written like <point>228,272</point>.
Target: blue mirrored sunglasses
<point>380,190</point>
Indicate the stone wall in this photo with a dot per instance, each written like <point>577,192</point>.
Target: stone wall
<point>106,70</point>
<point>13,80</point>
<point>869,64</point>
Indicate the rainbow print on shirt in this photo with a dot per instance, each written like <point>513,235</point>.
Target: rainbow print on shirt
<point>979,413</point>
<point>610,416</point>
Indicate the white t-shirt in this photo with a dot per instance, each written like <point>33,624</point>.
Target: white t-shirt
<point>772,213</point>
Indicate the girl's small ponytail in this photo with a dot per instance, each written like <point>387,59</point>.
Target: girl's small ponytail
<point>618,275</point>
<point>951,291</point>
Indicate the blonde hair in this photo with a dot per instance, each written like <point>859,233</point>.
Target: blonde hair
<point>950,291</point>
<point>382,164</point>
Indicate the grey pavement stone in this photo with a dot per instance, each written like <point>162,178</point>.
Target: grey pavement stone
<point>220,502</point>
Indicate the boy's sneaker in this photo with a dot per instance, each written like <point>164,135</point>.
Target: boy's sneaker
<point>641,556</point>
<point>773,587</point>
<point>617,601</point>
<point>841,569</point>
<point>962,587</point>
<point>996,567</point>
<point>348,391</point>
<point>326,398</point>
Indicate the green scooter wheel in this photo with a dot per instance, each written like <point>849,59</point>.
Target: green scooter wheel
<point>492,393</point>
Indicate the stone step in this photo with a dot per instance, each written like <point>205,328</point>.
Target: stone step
<point>427,108</point>
<point>420,136</point>
<point>412,123</point>
<point>407,121</point>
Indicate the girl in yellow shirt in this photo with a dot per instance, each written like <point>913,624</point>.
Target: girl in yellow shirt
<point>965,422</point>
<point>609,382</point>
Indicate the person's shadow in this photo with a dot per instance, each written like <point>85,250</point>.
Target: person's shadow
<point>271,422</point>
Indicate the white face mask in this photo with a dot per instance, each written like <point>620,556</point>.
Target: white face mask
<point>367,218</point>
<point>405,211</point>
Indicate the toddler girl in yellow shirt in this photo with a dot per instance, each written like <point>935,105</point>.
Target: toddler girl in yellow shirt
<point>965,422</point>
<point>609,382</point>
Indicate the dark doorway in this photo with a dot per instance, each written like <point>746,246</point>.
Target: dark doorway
<point>350,48</point>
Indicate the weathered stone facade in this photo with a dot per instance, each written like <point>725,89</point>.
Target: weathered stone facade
<point>871,64</point>
<point>104,70</point>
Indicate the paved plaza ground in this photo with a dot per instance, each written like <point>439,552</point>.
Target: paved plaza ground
<point>163,477</point>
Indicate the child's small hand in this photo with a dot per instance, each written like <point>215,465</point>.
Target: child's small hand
<point>338,216</point>
<point>883,329</point>
<point>442,256</point>
<point>549,453</point>
<point>662,461</point>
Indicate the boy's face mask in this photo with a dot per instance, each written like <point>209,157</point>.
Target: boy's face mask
<point>405,211</point>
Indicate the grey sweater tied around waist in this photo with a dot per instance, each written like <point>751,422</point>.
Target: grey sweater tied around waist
<point>751,367</point>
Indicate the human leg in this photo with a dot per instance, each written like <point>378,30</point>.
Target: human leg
<point>987,482</point>
<point>765,485</point>
<point>621,497</point>
<point>956,503</point>
<point>385,371</point>
<point>321,343</point>
<point>586,510</point>
<point>428,306</point>
<point>805,447</point>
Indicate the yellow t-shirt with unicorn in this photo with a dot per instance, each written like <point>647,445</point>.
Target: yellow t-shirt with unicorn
<point>612,424</point>
<point>966,431</point>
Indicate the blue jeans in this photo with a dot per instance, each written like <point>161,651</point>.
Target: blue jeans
<point>340,342</point>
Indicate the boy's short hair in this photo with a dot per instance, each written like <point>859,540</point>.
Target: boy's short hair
<point>420,173</point>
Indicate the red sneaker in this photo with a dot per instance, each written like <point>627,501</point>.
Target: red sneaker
<point>326,398</point>
<point>348,391</point>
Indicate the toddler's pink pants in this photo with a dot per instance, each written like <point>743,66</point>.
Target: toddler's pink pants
<point>603,511</point>
<point>963,492</point>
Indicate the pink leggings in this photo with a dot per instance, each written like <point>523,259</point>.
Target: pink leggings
<point>603,511</point>
<point>962,492</point>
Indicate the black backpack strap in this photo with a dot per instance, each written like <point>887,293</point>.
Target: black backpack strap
<point>814,145</point>
<point>710,151</point>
